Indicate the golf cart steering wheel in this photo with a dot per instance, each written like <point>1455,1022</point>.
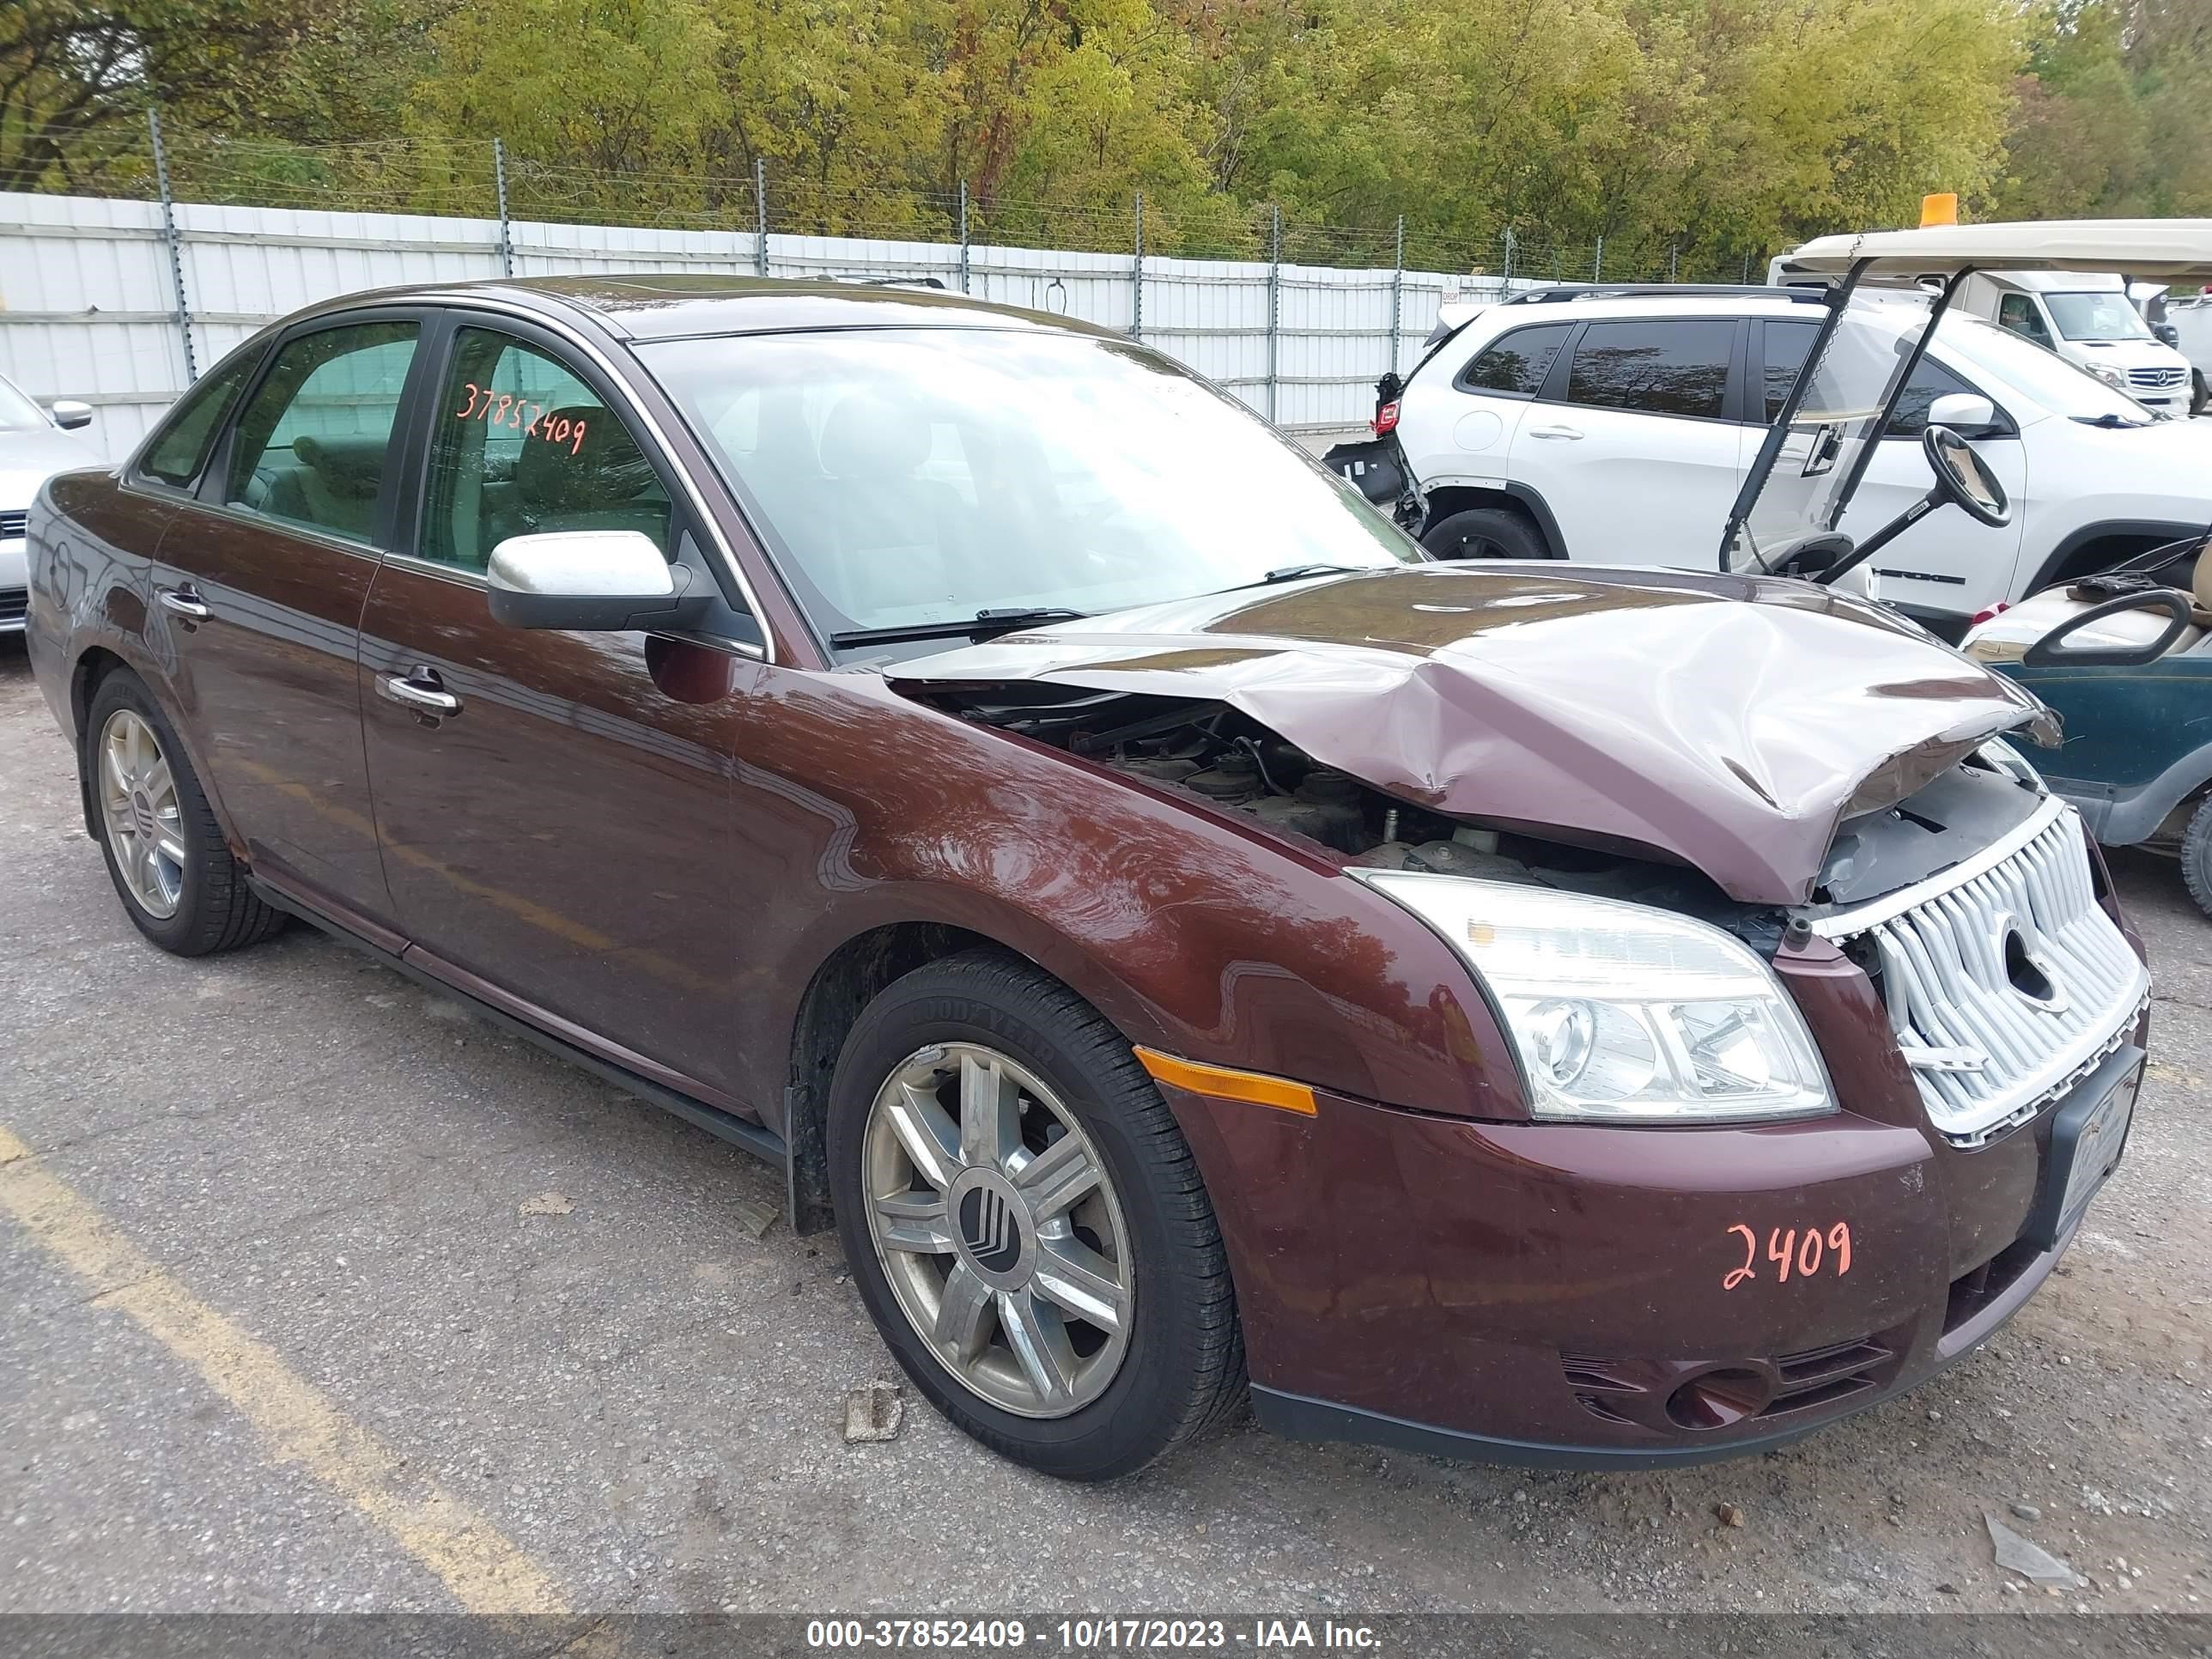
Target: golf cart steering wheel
<point>1961,477</point>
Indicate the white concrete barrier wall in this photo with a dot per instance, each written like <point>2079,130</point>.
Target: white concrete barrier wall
<point>89,307</point>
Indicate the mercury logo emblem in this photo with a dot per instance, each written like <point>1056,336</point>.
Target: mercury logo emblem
<point>988,1229</point>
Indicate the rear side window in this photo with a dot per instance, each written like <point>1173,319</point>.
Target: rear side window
<point>1654,367</point>
<point>314,439</point>
<point>176,455</point>
<point>1516,364</point>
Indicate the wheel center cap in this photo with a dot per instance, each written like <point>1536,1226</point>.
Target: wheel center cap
<point>992,1227</point>
<point>141,813</point>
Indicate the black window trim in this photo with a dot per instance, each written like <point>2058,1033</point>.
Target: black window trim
<point>687,539</point>
<point>215,469</point>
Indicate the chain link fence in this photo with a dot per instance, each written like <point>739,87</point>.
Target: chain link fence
<point>1298,317</point>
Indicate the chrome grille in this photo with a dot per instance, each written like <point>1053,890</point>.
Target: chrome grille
<point>15,524</point>
<point>2154,377</point>
<point>2005,980</point>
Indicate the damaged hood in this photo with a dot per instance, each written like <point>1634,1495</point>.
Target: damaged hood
<point>1726,722</point>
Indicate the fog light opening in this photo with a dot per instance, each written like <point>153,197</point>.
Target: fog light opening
<point>1714,1398</point>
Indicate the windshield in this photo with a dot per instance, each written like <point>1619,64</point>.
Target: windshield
<point>2095,317</point>
<point>914,476</point>
<point>17,412</point>
<point>2060,387</point>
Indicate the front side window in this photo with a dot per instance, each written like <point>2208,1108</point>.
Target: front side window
<point>1669,368</point>
<point>175,456</point>
<point>522,445</point>
<point>915,477</point>
<point>1516,364</point>
<point>315,439</point>
<point>1786,346</point>
<point>2017,312</point>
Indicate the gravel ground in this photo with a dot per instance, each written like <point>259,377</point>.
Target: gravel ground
<point>545,1297</point>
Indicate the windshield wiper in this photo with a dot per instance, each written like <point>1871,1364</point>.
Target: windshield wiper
<point>2111,421</point>
<point>1298,573</point>
<point>984,625</point>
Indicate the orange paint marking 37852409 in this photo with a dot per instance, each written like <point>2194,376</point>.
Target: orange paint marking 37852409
<point>1791,1251</point>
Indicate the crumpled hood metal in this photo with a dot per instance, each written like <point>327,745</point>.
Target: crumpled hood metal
<point>1728,722</point>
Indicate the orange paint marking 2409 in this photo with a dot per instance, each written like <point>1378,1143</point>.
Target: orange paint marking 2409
<point>1817,1250</point>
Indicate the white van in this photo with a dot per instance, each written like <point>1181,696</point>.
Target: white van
<point>2089,320</point>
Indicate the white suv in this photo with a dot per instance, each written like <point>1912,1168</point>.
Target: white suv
<point>1617,425</point>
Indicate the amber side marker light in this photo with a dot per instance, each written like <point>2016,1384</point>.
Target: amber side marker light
<point>1222,1084</point>
<point>1939,208</point>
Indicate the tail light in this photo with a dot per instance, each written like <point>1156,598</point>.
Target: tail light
<point>1991,613</point>
<point>1386,418</point>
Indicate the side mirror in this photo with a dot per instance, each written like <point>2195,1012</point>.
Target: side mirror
<point>69,414</point>
<point>1960,475</point>
<point>591,580</point>
<point>2051,651</point>
<point>1963,411</point>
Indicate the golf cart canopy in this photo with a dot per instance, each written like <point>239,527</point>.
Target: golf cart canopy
<point>2165,250</point>
<point>1787,514</point>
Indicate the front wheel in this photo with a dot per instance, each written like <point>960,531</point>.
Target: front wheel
<point>1026,1224</point>
<point>1484,532</point>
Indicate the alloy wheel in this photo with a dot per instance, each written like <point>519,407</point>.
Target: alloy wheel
<point>143,818</point>
<point>999,1229</point>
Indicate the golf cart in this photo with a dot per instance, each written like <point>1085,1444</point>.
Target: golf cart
<point>2130,686</point>
<point>2125,659</point>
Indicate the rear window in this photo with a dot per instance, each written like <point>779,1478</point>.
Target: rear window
<point>1654,367</point>
<point>1516,364</point>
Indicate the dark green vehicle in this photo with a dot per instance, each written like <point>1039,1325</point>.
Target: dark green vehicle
<point>2126,660</point>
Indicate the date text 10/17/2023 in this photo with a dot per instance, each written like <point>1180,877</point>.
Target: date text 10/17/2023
<point>1259,1636</point>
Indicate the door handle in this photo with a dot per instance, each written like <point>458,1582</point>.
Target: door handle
<point>1566,432</point>
<point>186,602</point>
<point>420,692</point>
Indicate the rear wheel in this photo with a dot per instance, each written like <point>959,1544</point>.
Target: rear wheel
<point>2196,855</point>
<point>165,852</point>
<point>1025,1223</point>
<point>1485,533</point>
<point>2200,394</point>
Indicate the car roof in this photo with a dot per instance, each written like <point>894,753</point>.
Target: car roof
<point>667,305</point>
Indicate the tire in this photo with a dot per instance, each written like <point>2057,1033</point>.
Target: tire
<point>2196,855</point>
<point>1176,1368</point>
<point>1485,533</point>
<point>172,871</point>
<point>2200,394</point>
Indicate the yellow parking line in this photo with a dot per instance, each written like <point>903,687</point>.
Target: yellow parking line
<point>485,1572</point>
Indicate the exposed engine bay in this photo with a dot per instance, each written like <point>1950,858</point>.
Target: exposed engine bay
<point>1233,762</point>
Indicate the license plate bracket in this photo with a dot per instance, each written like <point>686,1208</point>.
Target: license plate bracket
<point>2088,1133</point>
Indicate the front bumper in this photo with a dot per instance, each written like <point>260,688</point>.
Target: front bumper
<point>1565,1295</point>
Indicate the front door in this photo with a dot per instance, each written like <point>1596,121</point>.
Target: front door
<point>1637,458</point>
<point>560,843</point>
<point>262,582</point>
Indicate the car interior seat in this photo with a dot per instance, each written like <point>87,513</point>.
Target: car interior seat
<point>890,538</point>
<point>332,485</point>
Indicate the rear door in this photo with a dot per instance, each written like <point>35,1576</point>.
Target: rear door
<point>261,577</point>
<point>1456,428</point>
<point>1636,444</point>
<point>559,843</point>
<point>1949,565</point>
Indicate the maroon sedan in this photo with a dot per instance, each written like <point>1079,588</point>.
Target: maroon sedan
<point>1185,938</point>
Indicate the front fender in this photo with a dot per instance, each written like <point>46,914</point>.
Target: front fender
<point>1194,933</point>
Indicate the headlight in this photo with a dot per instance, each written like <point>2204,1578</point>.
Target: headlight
<point>1621,1013</point>
<point>2108,374</point>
